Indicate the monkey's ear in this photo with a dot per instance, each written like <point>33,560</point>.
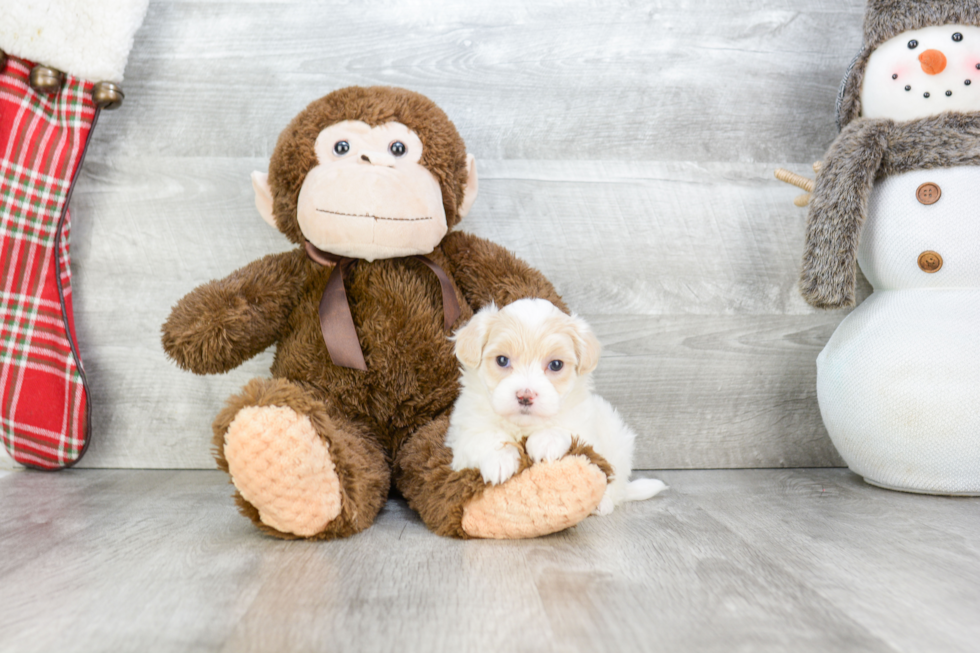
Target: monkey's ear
<point>472,338</point>
<point>263,197</point>
<point>472,184</point>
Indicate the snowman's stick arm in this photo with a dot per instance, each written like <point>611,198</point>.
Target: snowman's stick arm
<point>782,174</point>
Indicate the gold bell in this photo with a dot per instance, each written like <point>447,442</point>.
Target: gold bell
<point>46,80</point>
<point>107,95</point>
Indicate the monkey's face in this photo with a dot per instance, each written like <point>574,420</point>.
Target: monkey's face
<point>369,196</point>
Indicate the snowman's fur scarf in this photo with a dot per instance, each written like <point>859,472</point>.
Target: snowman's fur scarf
<point>866,150</point>
<point>885,19</point>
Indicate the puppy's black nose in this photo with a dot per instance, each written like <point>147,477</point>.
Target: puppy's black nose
<point>526,397</point>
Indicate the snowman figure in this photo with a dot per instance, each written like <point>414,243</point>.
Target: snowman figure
<point>899,195</point>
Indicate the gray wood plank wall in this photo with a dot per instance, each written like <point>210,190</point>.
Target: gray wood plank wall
<point>625,148</point>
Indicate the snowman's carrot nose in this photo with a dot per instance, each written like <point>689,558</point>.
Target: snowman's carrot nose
<point>933,62</point>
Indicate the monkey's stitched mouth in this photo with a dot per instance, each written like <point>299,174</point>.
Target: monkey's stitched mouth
<point>375,217</point>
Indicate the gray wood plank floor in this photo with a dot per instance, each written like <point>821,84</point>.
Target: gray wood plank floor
<point>726,560</point>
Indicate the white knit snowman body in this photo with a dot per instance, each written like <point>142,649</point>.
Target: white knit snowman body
<point>898,383</point>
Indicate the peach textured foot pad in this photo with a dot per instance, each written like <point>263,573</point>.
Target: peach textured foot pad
<point>283,468</point>
<point>546,498</point>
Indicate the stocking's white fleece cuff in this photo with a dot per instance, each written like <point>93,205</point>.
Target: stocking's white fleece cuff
<point>90,39</point>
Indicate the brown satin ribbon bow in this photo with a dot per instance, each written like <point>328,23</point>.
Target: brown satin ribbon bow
<point>336,322</point>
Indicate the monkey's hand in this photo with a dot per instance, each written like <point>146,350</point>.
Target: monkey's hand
<point>221,324</point>
<point>486,271</point>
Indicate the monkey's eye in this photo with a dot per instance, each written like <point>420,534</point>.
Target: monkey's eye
<point>503,361</point>
<point>957,37</point>
<point>555,366</point>
<point>340,148</point>
<point>913,44</point>
<point>397,148</point>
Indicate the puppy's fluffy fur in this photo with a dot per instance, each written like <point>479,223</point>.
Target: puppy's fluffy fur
<point>526,373</point>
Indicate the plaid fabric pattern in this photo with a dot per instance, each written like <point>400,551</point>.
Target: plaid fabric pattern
<point>43,401</point>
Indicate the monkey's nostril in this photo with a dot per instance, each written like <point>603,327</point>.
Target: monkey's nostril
<point>364,157</point>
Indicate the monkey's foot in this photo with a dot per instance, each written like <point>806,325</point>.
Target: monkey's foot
<point>281,466</point>
<point>544,498</point>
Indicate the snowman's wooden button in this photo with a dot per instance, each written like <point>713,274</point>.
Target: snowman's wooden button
<point>930,261</point>
<point>928,193</point>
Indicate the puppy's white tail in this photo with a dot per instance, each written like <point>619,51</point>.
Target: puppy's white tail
<point>644,488</point>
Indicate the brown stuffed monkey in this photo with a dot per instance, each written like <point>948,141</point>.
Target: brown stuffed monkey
<point>364,181</point>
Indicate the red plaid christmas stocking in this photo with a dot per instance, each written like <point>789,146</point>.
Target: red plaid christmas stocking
<point>44,410</point>
<point>45,121</point>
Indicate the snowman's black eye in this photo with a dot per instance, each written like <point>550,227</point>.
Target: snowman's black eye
<point>340,148</point>
<point>957,37</point>
<point>913,44</point>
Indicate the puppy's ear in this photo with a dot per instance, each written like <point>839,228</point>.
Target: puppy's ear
<point>587,347</point>
<point>263,197</point>
<point>471,339</point>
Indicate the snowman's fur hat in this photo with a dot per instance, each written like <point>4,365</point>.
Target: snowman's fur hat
<point>885,19</point>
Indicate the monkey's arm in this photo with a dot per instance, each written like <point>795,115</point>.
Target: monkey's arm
<point>487,272</point>
<point>837,211</point>
<point>221,324</point>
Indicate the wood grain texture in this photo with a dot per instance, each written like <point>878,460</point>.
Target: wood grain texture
<point>626,149</point>
<point>708,81</point>
<point>812,523</point>
<point>6,462</point>
<point>746,560</point>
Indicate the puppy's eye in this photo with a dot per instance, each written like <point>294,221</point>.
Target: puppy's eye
<point>555,366</point>
<point>340,148</point>
<point>913,44</point>
<point>397,148</point>
<point>503,361</point>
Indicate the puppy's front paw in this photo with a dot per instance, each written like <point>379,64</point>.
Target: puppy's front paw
<point>548,446</point>
<point>500,465</point>
<point>605,507</point>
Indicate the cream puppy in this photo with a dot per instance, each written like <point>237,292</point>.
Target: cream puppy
<point>526,373</point>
